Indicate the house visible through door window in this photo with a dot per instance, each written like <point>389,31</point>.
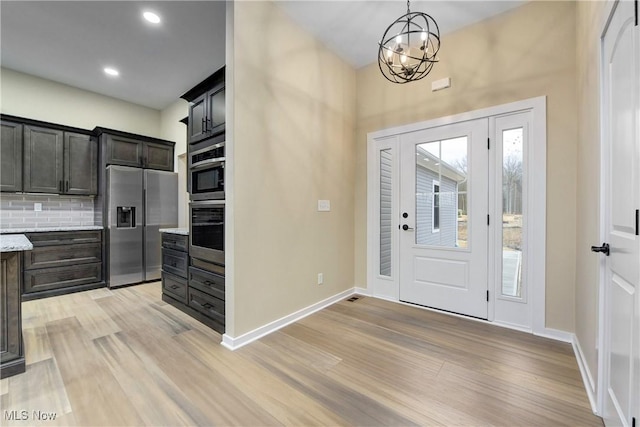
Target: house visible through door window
<point>441,193</point>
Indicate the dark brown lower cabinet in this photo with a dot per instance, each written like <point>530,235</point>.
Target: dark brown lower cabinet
<point>11,347</point>
<point>197,292</point>
<point>62,262</point>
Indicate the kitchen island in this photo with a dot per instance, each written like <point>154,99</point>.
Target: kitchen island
<point>12,350</point>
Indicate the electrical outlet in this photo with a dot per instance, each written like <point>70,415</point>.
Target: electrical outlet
<point>37,207</point>
<point>320,278</point>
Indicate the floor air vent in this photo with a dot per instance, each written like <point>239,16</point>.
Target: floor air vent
<point>352,299</point>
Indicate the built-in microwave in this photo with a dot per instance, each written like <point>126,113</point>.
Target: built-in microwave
<point>206,172</point>
<point>206,230</point>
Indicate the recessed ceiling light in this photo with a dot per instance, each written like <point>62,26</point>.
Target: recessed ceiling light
<point>111,71</point>
<point>151,17</point>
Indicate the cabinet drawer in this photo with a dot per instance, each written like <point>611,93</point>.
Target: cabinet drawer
<point>206,304</point>
<point>64,237</point>
<point>46,279</point>
<point>174,286</point>
<point>58,256</point>
<point>175,262</point>
<point>176,242</point>
<point>209,283</point>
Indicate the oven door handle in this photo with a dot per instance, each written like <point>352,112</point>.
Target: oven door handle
<point>202,224</point>
<point>207,163</point>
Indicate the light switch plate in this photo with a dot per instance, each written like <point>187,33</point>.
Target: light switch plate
<point>324,205</point>
<point>37,207</point>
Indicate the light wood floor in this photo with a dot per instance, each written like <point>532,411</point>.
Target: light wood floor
<point>125,357</point>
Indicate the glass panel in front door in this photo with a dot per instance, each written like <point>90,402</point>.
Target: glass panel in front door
<point>441,193</point>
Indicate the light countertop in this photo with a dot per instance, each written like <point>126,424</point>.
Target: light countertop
<point>47,229</point>
<point>14,243</point>
<point>182,231</point>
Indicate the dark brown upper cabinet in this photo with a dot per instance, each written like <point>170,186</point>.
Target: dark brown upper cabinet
<point>197,119</point>
<point>11,156</point>
<point>80,164</point>
<point>158,156</point>
<point>124,149</point>
<point>206,108</point>
<point>43,160</point>
<point>59,162</point>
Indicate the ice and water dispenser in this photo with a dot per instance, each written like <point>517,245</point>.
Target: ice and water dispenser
<point>126,217</point>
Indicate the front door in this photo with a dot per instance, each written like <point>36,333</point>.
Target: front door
<point>621,175</point>
<point>444,217</point>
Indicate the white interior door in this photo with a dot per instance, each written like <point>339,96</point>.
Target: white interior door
<point>621,176</point>
<point>444,217</point>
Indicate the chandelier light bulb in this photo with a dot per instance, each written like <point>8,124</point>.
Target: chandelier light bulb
<point>389,53</point>
<point>398,39</point>
<point>423,36</point>
<point>403,59</point>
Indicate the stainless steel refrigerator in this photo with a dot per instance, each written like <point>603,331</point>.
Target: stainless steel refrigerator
<point>140,202</point>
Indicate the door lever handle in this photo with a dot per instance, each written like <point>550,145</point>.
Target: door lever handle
<point>604,249</point>
<point>405,227</point>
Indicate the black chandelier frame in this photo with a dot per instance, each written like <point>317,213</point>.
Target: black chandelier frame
<point>410,27</point>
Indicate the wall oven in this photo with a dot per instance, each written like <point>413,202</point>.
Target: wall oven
<point>206,230</point>
<point>206,172</point>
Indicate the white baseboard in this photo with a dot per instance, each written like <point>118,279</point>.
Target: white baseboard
<point>587,378</point>
<point>511,326</point>
<point>234,343</point>
<point>363,291</point>
<point>555,334</point>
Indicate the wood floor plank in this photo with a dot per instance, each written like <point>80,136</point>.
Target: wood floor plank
<point>42,390</point>
<point>148,386</point>
<point>95,395</point>
<point>354,407</point>
<point>283,402</point>
<point>124,357</point>
<point>36,344</point>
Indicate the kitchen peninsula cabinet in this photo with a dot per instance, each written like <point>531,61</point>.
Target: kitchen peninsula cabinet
<point>11,156</point>
<point>125,149</point>
<point>12,360</point>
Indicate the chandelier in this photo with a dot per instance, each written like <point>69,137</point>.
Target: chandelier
<point>408,47</point>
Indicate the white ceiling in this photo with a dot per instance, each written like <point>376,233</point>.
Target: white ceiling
<point>353,29</point>
<point>72,41</point>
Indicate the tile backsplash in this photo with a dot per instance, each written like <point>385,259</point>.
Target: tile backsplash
<point>17,211</point>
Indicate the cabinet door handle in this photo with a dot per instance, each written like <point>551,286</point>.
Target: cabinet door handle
<point>204,125</point>
<point>67,187</point>
<point>60,186</point>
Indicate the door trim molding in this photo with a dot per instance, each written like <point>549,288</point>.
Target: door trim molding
<point>537,107</point>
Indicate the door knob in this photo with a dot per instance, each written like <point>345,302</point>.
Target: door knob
<point>405,227</point>
<point>604,249</point>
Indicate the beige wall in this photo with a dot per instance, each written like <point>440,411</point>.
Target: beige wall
<point>589,20</point>
<point>293,127</point>
<point>35,98</point>
<point>172,129</point>
<point>527,52</point>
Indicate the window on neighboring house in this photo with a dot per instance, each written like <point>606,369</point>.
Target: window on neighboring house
<point>436,206</point>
